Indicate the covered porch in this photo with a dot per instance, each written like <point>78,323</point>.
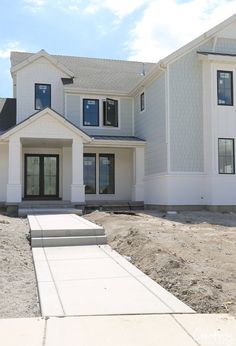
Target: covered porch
<point>49,159</point>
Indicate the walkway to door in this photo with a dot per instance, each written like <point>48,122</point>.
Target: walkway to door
<point>94,280</point>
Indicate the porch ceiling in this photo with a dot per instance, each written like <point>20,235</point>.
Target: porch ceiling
<point>45,142</point>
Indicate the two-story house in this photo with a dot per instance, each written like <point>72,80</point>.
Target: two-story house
<point>83,129</point>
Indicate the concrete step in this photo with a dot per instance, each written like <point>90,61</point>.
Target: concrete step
<point>48,211</point>
<point>37,233</point>
<point>68,241</point>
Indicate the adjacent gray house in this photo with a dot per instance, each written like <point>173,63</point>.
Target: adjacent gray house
<point>82,129</point>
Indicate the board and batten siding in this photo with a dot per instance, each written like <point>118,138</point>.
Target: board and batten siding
<point>43,72</point>
<point>74,113</point>
<point>150,125</point>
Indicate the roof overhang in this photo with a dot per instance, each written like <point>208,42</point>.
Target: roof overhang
<point>216,57</point>
<point>52,114</point>
<point>42,54</point>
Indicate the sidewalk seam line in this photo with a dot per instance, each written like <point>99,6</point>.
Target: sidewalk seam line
<point>186,331</point>
<point>171,310</point>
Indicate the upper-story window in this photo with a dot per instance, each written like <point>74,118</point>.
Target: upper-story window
<point>142,102</point>
<point>42,96</point>
<point>225,88</point>
<point>90,112</point>
<point>110,113</point>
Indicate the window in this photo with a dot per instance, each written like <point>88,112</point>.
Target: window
<point>90,112</point>
<point>106,174</point>
<point>90,173</point>
<point>42,96</point>
<point>225,88</point>
<point>226,156</point>
<point>142,102</point>
<point>110,113</point>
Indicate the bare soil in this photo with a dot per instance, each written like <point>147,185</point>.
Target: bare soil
<point>191,254</point>
<point>18,293</point>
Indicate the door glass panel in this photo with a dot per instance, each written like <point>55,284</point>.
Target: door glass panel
<point>106,174</point>
<point>32,176</point>
<point>50,176</point>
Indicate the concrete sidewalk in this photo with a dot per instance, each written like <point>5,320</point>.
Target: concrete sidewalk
<point>129,330</point>
<point>96,280</point>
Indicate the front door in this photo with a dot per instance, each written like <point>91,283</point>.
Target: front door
<point>41,176</point>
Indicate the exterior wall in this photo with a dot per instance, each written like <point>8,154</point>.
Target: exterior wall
<point>220,122</point>
<point>123,173</point>
<point>74,113</point>
<point>186,114</point>
<point>150,124</point>
<point>40,71</point>
<point>3,171</point>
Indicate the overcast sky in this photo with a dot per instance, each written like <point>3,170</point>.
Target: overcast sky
<point>143,30</point>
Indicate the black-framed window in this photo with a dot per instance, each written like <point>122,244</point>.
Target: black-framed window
<point>225,88</point>
<point>90,112</point>
<point>110,113</point>
<point>226,156</point>
<point>106,173</point>
<point>42,96</point>
<point>90,173</point>
<point>142,102</point>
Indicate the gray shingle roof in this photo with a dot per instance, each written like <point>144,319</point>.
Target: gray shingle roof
<point>118,138</point>
<point>7,113</point>
<point>101,74</point>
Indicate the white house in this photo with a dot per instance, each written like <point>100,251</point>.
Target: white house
<point>82,129</point>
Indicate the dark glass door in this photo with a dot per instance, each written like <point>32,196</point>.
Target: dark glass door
<point>41,176</point>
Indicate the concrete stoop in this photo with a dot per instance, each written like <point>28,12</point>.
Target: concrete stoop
<point>64,230</point>
<point>22,212</point>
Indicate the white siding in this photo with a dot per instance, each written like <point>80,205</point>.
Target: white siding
<point>40,71</point>
<point>3,171</point>
<point>74,113</point>
<point>150,125</point>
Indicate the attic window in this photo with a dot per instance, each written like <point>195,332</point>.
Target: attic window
<point>110,113</point>
<point>42,96</point>
<point>67,81</point>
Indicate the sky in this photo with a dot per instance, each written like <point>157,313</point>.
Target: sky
<point>139,30</point>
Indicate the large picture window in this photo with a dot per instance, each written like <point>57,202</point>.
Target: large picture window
<point>106,174</point>
<point>42,96</point>
<point>226,156</point>
<point>110,113</point>
<point>90,173</point>
<point>225,88</point>
<point>90,112</point>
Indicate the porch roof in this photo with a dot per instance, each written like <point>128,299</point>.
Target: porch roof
<point>116,141</point>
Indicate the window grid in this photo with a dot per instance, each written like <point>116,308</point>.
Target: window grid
<point>225,88</point>
<point>226,161</point>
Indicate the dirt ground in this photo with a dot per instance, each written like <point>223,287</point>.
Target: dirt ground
<point>18,294</point>
<point>191,254</point>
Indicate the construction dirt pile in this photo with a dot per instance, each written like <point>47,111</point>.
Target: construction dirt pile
<point>191,254</point>
<point>18,293</point>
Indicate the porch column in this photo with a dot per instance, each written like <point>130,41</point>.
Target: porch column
<point>138,174</point>
<point>14,172</point>
<point>77,186</point>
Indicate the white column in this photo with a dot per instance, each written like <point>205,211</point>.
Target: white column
<point>77,186</point>
<point>14,172</point>
<point>138,174</point>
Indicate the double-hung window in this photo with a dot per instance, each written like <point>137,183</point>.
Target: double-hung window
<point>42,96</point>
<point>226,156</point>
<point>225,88</point>
<point>90,112</point>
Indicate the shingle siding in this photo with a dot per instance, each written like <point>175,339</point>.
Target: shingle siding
<point>151,126</point>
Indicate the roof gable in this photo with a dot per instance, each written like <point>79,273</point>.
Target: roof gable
<point>46,124</point>
<point>30,58</point>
